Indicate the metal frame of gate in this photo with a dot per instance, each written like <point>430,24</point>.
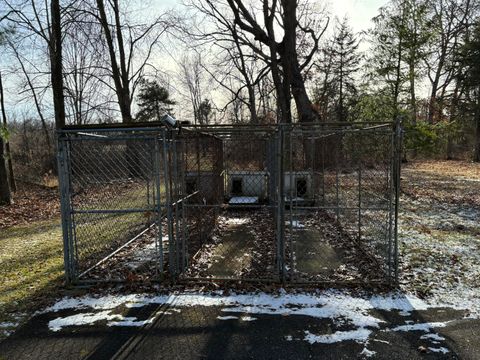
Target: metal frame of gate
<point>119,183</point>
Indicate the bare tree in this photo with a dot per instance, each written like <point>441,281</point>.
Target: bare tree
<point>130,47</point>
<point>32,88</point>
<point>192,75</point>
<point>237,67</point>
<point>43,20</point>
<point>89,93</point>
<point>449,20</point>
<point>282,57</point>
<point>8,153</point>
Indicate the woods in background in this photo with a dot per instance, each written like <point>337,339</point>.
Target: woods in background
<point>237,61</point>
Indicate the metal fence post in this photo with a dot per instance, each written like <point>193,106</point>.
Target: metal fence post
<point>337,185</point>
<point>158,206</point>
<point>398,151</point>
<point>168,198</point>
<point>64,186</point>
<point>391,190</point>
<point>281,203</point>
<point>360,198</point>
<point>176,182</point>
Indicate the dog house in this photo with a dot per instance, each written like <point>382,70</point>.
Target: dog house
<point>299,186</point>
<point>246,187</point>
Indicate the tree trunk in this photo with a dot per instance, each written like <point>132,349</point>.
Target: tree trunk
<point>281,84</point>
<point>8,154</point>
<point>55,47</point>
<point>5,195</point>
<point>252,104</point>
<point>120,79</point>
<point>476,154</point>
<point>291,65</point>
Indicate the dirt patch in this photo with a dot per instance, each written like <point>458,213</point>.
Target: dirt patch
<point>233,254</point>
<point>315,256</point>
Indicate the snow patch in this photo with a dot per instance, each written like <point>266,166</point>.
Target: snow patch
<point>367,353</point>
<point>340,307</point>
<point>439,350</point>
<point>5,325</point>
<point>81,319</point>
<point>234,220</point>
<point>427,327</point>
<point>432,336</point>
<point>130,321</point>
<point>359,335</point>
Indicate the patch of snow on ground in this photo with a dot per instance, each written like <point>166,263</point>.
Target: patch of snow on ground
<point>82,319</point>
<point>4,325</point>
<point>440,252</point>
<point>358,335</point>
<point>432,336</point>
<point>340,307</point>
<point>438,350</point>
<point>234,220</point>
<point>367,353</point>
<point>427,327</point>
<point>130,321</point>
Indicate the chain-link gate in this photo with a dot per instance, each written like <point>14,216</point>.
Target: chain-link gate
<point>291,203</point>
<point>340,203</point>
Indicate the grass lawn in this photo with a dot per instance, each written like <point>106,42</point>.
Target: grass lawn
<point>31,268</point>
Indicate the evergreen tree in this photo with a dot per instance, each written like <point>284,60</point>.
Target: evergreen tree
<point>205,111</point>
<point>469,61</point>
<point>399,39</point>
<point>345,62</point>
<point>336,84</point>
<point>153,101</point>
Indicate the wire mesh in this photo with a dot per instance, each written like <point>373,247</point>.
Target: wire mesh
<point>291,203</point>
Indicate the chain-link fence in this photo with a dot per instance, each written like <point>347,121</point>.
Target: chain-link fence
<point>295,203</point>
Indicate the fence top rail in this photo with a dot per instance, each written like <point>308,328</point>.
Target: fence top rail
<point>106,131</point>
<point>156,125</point>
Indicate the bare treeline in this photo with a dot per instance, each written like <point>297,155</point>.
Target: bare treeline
<point>240,61</point>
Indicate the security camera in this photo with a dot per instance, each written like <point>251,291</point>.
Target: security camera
<point>170,121</point>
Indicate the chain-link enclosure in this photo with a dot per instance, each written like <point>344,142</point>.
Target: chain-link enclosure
<point>292,203</point>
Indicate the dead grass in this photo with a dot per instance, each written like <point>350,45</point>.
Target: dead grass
<point>31,268</point>
<point>31,203</point>
<point>455,168</point>
<point>439,230</point>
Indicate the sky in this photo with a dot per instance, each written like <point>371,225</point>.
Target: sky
<point>359,13</point>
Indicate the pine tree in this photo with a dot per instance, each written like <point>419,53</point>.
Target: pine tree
<point>153,101</point>
<point>344,61</point>
<point>469,61</point>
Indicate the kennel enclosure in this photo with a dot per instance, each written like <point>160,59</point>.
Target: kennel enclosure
<point>299,203</point>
